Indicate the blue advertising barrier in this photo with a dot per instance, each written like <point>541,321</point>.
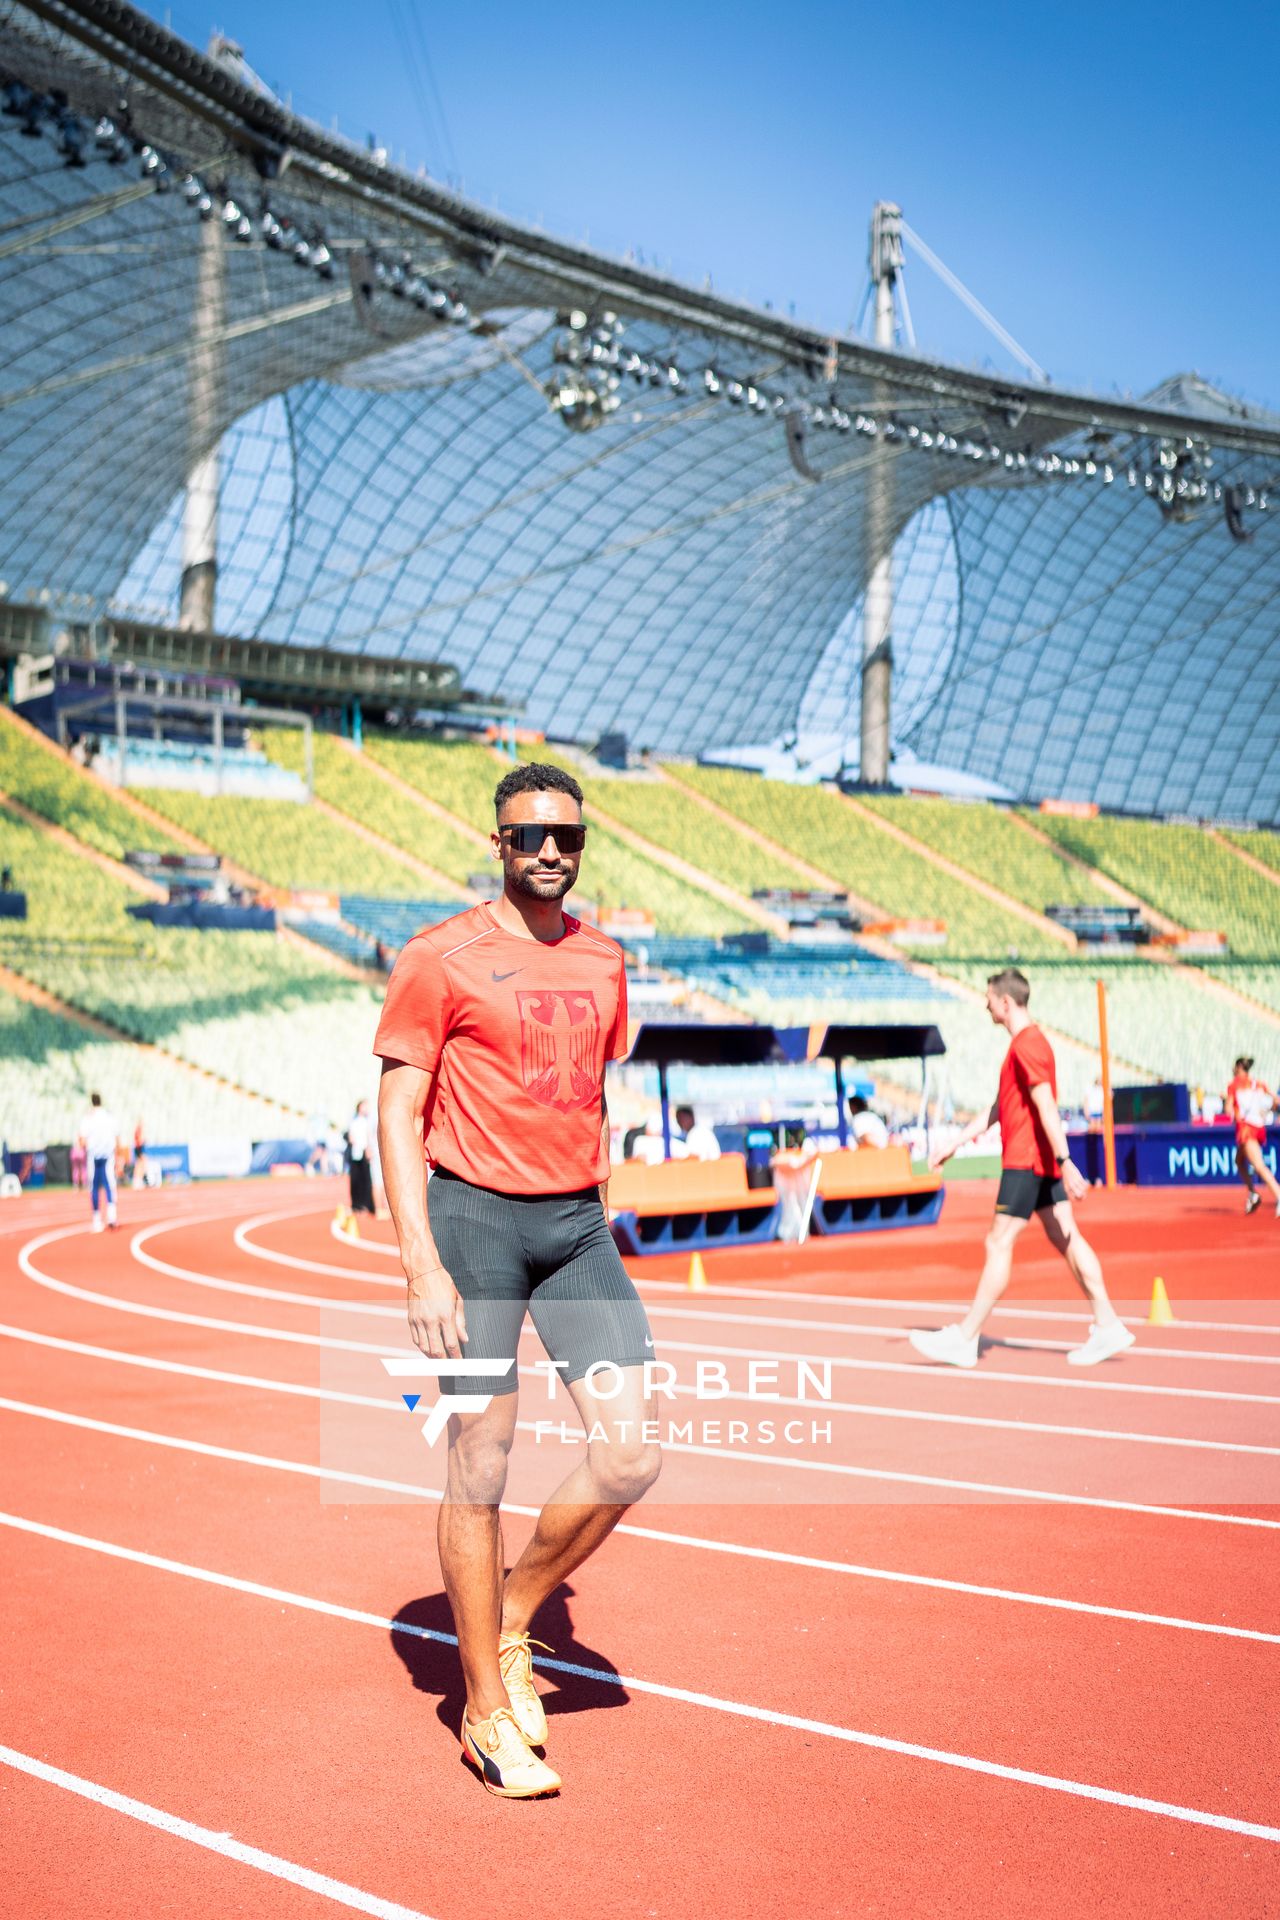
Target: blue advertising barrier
<point>278,1153</point>
<point>1171,1156</point>
<point>28,1165</point>
<point>173,1162</point>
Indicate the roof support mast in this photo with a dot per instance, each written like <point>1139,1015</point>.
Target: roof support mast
<point>886,262</point>
<point>197,597</point>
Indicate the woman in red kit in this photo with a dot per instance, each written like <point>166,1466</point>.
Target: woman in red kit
<point>1249,1103</point>
<point>1038,1177</point>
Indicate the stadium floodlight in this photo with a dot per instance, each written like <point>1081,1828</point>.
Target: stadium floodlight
<point>301,252</point>
<point>191,187</point>
<point>459,312</point>
<point>711,380</point>
<point>205,205</point>
<point>438,301</point>
<point>230,212</point>
<point>583,397</point>
<point>578,320</point>
<point>110,142</point>
<point>322,260</point>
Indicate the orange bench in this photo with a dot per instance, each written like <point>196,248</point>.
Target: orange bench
<point>689,1203</point>
<point>864,1187</point>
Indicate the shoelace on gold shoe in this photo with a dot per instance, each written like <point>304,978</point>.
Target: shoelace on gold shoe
<point>515,1660</point>
<point>501,1738</point>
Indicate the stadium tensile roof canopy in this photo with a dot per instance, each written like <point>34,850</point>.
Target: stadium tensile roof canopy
<point>1089,589</point>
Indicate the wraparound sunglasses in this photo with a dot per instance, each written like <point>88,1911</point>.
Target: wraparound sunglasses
<point>530,837</point>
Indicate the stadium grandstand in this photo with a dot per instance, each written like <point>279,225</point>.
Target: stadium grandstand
<point>879,673</point>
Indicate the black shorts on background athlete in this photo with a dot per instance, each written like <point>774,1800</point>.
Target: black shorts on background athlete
<point>1023,1192</point>
<point>551,1255</point>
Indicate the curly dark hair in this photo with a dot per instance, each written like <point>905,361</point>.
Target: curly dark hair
<point>534,777</point>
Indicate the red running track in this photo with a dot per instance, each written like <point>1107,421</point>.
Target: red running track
<point>230,1687</point>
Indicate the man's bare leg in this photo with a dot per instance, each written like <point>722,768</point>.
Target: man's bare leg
<point>469,1531</point>
<point>1253,1155</point>
<point>996,1270</point>
<point>590,1501</point>
<point>1086,1268</point>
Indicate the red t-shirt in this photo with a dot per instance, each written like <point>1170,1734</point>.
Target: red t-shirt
<point>517,1033</point>
<point>1023,1140</point>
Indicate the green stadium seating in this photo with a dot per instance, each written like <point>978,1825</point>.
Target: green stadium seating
<point>820,826</point>
<point>345,780</point>
<point>992,843</point>
<point>1182,872</point>
<point>287,843</point>
<point>1263,846</point>
<point>49,1066</point>
<point>66,893</point>
<point>660,812</point>
<point>52,785</point>
<point>461,777</point>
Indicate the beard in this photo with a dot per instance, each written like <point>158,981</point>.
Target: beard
<point>540,886</point>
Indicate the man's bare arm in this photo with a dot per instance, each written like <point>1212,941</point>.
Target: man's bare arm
<point>436,1318</point>
<point>975,1129</point>
<point>1051,1120</point>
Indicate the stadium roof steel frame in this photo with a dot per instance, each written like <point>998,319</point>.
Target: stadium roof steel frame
<point>680,574</point>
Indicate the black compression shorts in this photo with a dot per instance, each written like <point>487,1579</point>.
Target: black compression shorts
<point>551,1255</point>
<point>1023,1192</point>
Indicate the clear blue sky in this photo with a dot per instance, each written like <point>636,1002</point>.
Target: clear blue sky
<point>1101,177</point>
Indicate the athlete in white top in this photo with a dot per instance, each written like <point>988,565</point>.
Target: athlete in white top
<point>869,1130</point>
<point>98,1134</point>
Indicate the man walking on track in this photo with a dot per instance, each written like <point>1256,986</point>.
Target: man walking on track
<point>494,1038</point>
<point>1038,1178</point>
<point>100,1135</point>
<point>1249,1103</point>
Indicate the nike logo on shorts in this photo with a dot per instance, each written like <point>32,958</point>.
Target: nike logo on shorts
<point>507,976</point>
<point>648,1343</point>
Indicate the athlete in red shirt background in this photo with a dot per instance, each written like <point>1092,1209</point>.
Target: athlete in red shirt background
<point>1038,1177</point>
<point>1250,1103</point>
<point>494,1037</point>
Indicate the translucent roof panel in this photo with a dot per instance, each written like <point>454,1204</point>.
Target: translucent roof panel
<point>1086,600</point>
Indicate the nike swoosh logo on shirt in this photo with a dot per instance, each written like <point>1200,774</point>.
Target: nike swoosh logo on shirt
<point>507,976</point>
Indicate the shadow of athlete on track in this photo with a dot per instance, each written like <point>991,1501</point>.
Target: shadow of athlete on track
<point>432,1665</point>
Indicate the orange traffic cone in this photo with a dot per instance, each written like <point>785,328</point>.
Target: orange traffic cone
<point>697,1275</point>
<point>1160,1313</point>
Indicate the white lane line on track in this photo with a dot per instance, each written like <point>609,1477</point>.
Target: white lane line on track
<point>986,1488</point>
<point>223,1843</point>
<point>914,1368</point>
<point>138,1248</point>
<point>713,1702</point>
<point>869,1409</point>
<point>723,1291</point>
<point>776,1555</point>
<point>242,1239</point>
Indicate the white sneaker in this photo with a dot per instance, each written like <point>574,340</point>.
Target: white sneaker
<point>1102,1343</point>
<point>98,1225</point>
<point>948,1345</point>
<point>1252,1204</point>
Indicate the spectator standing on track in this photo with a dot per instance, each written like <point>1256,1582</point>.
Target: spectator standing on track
<point>1039,1177</point>
<point>494,1039</point>
<point>1250,1103</point>
<point>99,1135</point>
<point>700,1143</point>
<point>869,1130</point>
<point>360,1145</point>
